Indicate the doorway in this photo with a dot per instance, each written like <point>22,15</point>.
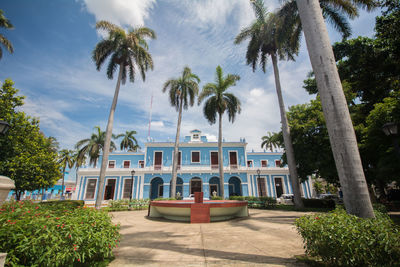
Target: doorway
<point>195,185</point>
<point>157,160</point>
<point>233,159</point>
<point>262,192</point>
<point>278,187</point>
<point>214,160</point>
<point>110,189</point>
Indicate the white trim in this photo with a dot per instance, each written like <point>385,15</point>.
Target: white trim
<point>191,156</point>
<point>196,144</point>
<point>108,164</point>
<point>123,164</point>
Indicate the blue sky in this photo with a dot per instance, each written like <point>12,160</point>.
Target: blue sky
<point>52,66</point>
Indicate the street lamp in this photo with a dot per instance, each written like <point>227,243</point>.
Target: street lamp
<point>4,126</point>
<point>130,195</point>
<point>391,129</point>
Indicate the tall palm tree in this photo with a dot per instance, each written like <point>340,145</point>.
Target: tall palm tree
<point>180,89</point>
<point>128,141</point>
<point>5,23</point>
<point>340,128</point>
<point>129,52</point>
<point>218,101</point>
<point>269,141</point>
<point>65,159</point>
<point>92,147</point>
<point>268,37</point>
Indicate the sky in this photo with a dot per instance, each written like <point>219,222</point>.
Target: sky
<point>52,66</point>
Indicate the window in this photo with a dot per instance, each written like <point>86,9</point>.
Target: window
<point>90,188</point>
<point>111,164</point>
<point>195,156</point>
<point>195,136</point>
<point>141,164</point>
<point>127,188</point>
<point>127,164</point>
<point>249,163</point>
<point>278,163</point>
<point>264,163</point>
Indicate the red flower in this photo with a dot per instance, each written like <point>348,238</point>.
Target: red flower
<point>8,220</point>
<point>57,218</point>
<point>58,225</point>
<point>79,260</point>
<point>74,248</point>
<point>36,207</point>
<point>29,211</point>
<point>317,218</point>
<point>48,216</point>
<point>44,227</point>
<point>69,236</point>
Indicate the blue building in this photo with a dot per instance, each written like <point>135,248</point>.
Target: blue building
<point>245,173</point>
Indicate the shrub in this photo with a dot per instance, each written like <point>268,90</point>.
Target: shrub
<point>241,198</point>
<point>319,203</point>
<point>217,198</point>
<point>165,198</point>
<point>251,198</point>
<point>55,234</point>
<point>346,240</point>
<point>269,202</point>
<point>65,203</point>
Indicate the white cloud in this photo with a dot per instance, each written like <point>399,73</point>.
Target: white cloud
<point>121,12</point>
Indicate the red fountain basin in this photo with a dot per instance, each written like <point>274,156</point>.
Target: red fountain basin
<point>197,212</point>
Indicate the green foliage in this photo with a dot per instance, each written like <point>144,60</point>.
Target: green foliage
<point>128,141</point>
<point>240,198</point>
<point>55,234</point>
<point>27,156</point>
<point>271,141</point>
<point>123,204</point>
<point>5,23</point>
<point>318,187</point>
<point>165,198</point>
<point>319,203</point>
<point>341,239</point>
<point>66,203</point>
<point>218,198</point>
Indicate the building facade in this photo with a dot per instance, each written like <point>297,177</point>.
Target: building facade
<point>245,173</point>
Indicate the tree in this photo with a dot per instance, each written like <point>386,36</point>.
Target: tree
<point>217,102</point>
<point>5,23</point>
<point>26,156</point>
<point>269,37</point>
<point>128,141</point>
<point>66,158</point>
<point>93,146</point>
<point>129,52</point>
<point>180,90</point>
<point>269,141</point>
<point>336,113</point>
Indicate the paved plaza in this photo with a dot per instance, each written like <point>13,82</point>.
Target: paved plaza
<point>266,238</point>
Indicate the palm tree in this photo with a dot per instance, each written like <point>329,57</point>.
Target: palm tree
<point>218,101</point>
<point>128,141</point>
<point>129,52</point>
<point>268,37</point>
<point>180,89</point>
<point>92,147</point>
<point>340,128</point>
<point>5,23</point>
<point>269,141</point>
<point>65,159</point>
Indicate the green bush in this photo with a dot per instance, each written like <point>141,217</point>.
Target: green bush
<point>123,204</point>
<point>217,198</point>
<point>164,198</point>
<point>269,202</point>
<point>241,198</point>
<point>319,203</point>
<point>55,235</point>
<point>66,203</point>
<point>341,239</point>
<point>251,198</point>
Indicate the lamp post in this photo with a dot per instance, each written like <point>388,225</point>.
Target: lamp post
<point>391,129</point>
<point>130,195</point>
<point>4,126</point>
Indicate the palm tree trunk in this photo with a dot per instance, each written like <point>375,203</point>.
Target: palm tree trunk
<point>62,187</point>
<point>287,140</point>
<point>107,142</point>
<point>176,152</point>
<point>220,158</point>
<point>340,128</point>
